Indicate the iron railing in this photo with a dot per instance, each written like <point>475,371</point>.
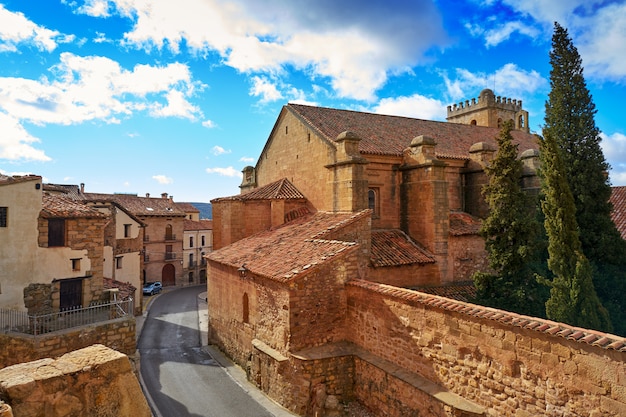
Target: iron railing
<point>22,322</point>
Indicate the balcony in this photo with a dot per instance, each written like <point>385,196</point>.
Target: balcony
<point>170,256</point>
<point>170,236</point>
<point>192,264</point>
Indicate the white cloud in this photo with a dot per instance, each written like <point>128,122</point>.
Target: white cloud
<point>614,149</point>
<point>510,81</point>
<point>16,142</point>
<point>266,90</point>
<point>210,124</point>
<point>162,179</point>
<point>16,30</point>
<point>95,8</point>
<point>218,150</point>
<point>346,43</point>
<point>225,172</point>
<point>503,32</point>
<point>416,106</point>
<point>246,159</point>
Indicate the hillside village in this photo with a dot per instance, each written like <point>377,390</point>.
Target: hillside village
<point>325,273</point>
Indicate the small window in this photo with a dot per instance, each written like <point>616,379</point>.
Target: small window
<point>191,241</point>
<point>372,201</point>
<point>127,230</point>
<point>246,308</point>
<point>76,264</point>
<point>191,277</point>
<point>118,262</point>
<point>56,232</point>
<point>4,211</point>
<point>473,122</point>
<point>202,240</point>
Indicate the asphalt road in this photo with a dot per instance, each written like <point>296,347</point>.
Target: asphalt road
<point>182,379</point>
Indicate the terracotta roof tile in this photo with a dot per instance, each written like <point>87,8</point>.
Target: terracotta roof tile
<point>139,206</point>
<point>460,291</point>
<point>187,207</point>
<point>282,189</point>
<point>394,247</point>
<point>618,199</point>
<point>58,206</point>
<point>391,135</point>
<point>8,179</point>
<point>69,189</point>
<point>127,290</point>
<point>462,224</point>
<point>591,337</point>
<point>292,249</point>
<point>198,225</point>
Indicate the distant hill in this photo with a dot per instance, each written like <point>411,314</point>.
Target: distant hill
<point>206,210</point>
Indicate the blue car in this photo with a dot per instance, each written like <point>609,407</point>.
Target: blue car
<point>151,288</point>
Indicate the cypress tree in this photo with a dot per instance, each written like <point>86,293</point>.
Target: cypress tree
<point>573,299</point>
<point>509,232</point>
<point>570,121</point>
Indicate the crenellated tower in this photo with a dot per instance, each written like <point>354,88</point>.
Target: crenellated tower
<point>489,110</point>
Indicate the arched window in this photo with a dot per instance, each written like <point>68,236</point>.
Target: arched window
<point>473,122</point>
<point>246,308</point>
<point>372,201</point>
<point>521,122</point>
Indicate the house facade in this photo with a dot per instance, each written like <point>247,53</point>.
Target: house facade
<point>52,256</point>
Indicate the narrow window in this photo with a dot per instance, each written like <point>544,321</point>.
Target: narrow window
<point>191,277</point>
<point>246,308</point>
<point>202,240</point>
<point>168,232</point>
<point>127,230</point>
<point>56,232</point>
<point>521,122</point>
<point>191,265</point>
<point>168,252</point>
<point>118,262</point>
<point>372,201</point>
<point>191,241</point>
<point>4,211</point>
<point>76,264</point>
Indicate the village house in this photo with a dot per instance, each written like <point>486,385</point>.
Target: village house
<point>52,255</point>
<point>344,212</point>
<point>163,230</point>
<point>197,242</point>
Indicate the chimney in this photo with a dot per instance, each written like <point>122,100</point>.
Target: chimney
<point>163,195</point>
<point>147,195</point>
<point>82,188</point>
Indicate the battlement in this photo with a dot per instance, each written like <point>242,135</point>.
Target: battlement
<point>489,110</point>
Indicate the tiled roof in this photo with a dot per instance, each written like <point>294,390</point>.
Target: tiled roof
<point>462,224</point>
<point>291,249</point>
<point>391,135</point>
<point>139,206</point>
<point>460,291</point>
<point>198,225</point>
<point>278,190</point>
<point>71,190</point>
<point>393,248</point>
<point>59,206</point>
<point>618,199</point>
<point>580,335</point>
<point>187,207</point>
<point>8,179</point>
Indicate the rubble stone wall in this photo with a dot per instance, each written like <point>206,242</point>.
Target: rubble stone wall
<point>93,382</point>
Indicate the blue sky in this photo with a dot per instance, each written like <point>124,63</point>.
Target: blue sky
<point>140,96</point>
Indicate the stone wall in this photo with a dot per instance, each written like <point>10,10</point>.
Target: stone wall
<point>92,382</point>
<point>510,365</point>
<point>118,334</point>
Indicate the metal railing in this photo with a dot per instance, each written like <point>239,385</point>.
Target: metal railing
<point>22,322</point>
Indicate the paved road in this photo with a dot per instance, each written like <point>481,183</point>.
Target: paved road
<point>180,377</point>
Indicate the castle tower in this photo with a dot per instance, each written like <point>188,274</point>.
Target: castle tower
<point>489,110</point>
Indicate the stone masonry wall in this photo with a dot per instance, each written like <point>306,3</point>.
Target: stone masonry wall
<point>509,364</point>
<point>91,382</point>
<point>118,334</point>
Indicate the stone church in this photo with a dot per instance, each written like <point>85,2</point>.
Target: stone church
<point>309,286</point>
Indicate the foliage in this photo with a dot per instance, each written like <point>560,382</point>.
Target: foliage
<point>570,122</point>
<point>573,298</point>
<point>510,233</point>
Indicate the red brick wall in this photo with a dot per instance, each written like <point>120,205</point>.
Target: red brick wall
<point>406,275</point>
<point>466,255</point>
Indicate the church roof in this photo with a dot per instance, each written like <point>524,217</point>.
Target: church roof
<point>282,189</point>
<point>394,248</point>
<point>463,224</point>
<point>292,249</point>
<point>618,199</point>
<point>391,135</point>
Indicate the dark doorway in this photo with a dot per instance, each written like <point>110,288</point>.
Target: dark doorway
<point>168,275</point>
<point>71,294</point>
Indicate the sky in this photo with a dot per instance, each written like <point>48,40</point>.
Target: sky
<point>177,97</point>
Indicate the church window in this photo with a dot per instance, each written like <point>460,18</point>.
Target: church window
<point>521,122</point>
<point>246,308</point>
<point>372,201</point>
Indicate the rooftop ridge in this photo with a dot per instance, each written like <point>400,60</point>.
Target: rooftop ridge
<point>576,334</point>
<point>354,217</point>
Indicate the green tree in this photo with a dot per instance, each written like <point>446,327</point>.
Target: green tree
<point>510,232</point>
<point>570,121</point>
<point>573,298</point>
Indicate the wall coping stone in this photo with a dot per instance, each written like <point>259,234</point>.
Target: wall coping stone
<point>269,351</point>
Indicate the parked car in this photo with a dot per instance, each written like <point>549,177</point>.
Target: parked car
<point>151,288</point>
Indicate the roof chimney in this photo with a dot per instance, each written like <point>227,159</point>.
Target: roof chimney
<point>147,195</point>
<point>163,195</point>
<point>82,188</point>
